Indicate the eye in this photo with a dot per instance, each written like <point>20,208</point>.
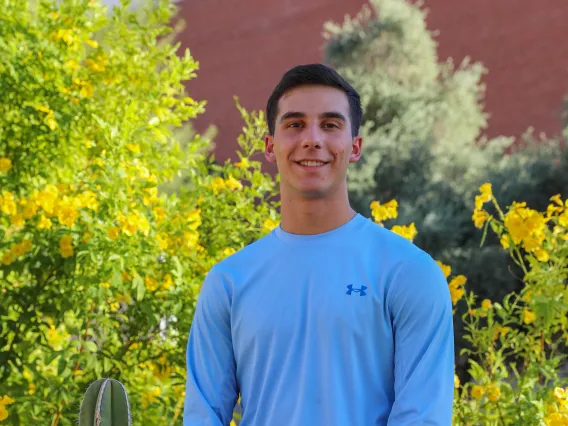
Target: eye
<point>330,125</point>
<point>294,124</point>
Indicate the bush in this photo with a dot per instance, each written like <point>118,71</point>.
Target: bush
<point>518,344</point>
<point>100,267</point>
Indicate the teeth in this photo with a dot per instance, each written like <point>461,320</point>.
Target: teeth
<point>312,163</point>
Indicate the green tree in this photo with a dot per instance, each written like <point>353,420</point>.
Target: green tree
<point>100,267</point>
<point>424,144</point>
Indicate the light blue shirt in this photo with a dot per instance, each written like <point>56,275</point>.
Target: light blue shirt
<point>352,327</point>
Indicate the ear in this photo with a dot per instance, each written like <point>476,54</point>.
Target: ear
<point>269,149</point>
<point>356,149</point>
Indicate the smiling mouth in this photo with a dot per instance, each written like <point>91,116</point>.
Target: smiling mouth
<point>312,163</point>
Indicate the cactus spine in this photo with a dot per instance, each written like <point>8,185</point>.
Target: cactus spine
<point>105,404</point>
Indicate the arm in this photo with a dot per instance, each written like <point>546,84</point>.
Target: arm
<point>211,387</point>
<point>421,311</point>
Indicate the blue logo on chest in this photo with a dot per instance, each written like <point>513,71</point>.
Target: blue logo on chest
<point>361,290</point>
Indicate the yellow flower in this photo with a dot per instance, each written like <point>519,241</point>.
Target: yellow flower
<point>228,251</point>
<point>556,199</point>
<point>113,232</point>
<point>486,304</point>
<point>56,338</point>
<point>190,239</point>
<point>556,419</point>
<point>479,217</point>
<point>500,331</point>
<point>93,43</point>
<point>159,214</point>
<point>447,270</point>
<point>162,241</point>
<point>66,211</point>
<point>72,65</point>
<point>528,316</point>
<point>168,282</point>
<point>18,221</point>
<point>135,148</point>
<point>194,219</point>
<point>493,392</point>
<point>7,204</point>
<point>65,246</point>
<point>88,200</point>
<point>5,400</point>
<point>233,183</point>
<point>486,191</point>
<point>114,306</point>
<point>504,241</point>
<point>456,381</point>
<point>65,35</point>
<point>7,258</point>
<point>47,197</point>
<point>243,164</point>
<point>29,208</point>
<point>17,250</point>
<point>150,397</point>
<point>5,164</point>
<point>269,224</point>
<point>560,394</point>
<point>105,285</point>
<point>150,283</point>
<point>456,290</point>
<point>458,281</point>
<point>31,388</point>
<point>151,197</point>
<point>409,232</point>
<point>542,255</point>
<point>382,212</point>
<point>456,294</point>
<point>563,219</point>
<point>217,184</point>
<point>524,223</point>
<point>477,392</point>
<point>44,223</point>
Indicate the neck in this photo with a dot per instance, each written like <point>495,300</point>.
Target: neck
<point>306,216</point>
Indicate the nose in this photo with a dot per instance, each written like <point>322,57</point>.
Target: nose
<point>312,137</point>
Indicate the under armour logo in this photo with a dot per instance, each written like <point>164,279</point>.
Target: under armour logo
<point>361,290</point>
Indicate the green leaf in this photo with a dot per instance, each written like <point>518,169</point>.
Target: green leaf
<point>140,288</point>
<point>90,346</point>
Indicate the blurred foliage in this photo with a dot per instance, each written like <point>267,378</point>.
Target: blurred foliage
<point>100,267</point>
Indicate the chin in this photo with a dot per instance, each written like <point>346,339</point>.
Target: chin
<point>314,193</point>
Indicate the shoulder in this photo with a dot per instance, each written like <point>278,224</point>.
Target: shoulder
<point>246,258</point>
<point>388,245</point>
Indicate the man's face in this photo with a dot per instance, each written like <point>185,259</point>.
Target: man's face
<point>312,143</point>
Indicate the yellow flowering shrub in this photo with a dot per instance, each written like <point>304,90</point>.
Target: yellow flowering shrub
<point>109,216</point>
<point>517,346</point>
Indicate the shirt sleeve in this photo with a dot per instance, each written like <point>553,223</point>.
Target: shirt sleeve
<point>421,311</point>
<point>211,386</point>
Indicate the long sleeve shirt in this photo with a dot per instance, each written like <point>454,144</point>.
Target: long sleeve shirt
<point>352,327</point>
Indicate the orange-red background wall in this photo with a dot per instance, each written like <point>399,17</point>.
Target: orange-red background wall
<point>244,47</point>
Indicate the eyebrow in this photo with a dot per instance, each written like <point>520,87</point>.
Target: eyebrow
<point>297,114</point>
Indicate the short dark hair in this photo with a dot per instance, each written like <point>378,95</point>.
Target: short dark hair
<point>314,74</point>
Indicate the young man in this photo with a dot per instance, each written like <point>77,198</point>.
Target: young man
<point>331,319</point>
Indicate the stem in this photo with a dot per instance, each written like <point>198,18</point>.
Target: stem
<point>500,414</point>
<point>82,348</point>
<point>540,378</point>
<point>55,421</point>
